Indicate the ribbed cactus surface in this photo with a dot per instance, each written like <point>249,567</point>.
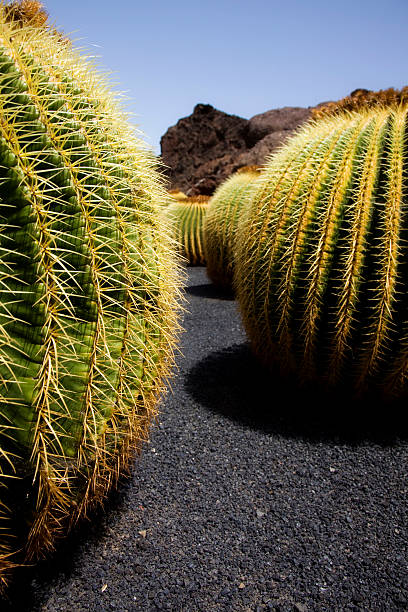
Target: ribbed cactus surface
<point>186,218</point>
<point>88,288</point>
<point>221,222</point>
<point>323,254</point>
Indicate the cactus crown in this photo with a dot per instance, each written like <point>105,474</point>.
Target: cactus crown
<point>363,98</point>
<point>26,12</point>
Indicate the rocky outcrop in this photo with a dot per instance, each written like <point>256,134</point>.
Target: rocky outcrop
<point>202,150</point>
<point>265,132</point>
<point>279,120</point>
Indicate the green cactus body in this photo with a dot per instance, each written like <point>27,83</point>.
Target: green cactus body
<point>322,253</point>
<point>88,289</point>
<point>186,219</point>
<point>221,222</point>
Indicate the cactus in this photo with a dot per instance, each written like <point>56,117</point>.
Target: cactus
<point>88,288</point>
<point>221,223</point>
<point>322,274</point>
<point>186,219</point>
<point>177,195</point>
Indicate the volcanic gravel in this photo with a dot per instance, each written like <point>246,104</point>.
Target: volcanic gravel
<point>251,495</point>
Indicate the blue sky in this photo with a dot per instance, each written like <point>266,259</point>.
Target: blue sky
<point>243,57</point>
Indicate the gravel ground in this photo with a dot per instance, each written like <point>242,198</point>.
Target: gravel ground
<point>250,496</point>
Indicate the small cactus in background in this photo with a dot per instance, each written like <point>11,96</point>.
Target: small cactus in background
<point>177,195</point>
<point>322,273</point>
<point>221,223</point>
<point>186,218</point>
<point>88,287</point>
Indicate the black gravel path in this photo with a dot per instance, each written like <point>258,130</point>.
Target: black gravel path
<point>250,496</point>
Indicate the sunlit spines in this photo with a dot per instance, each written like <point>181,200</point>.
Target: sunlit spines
<point>352,260</point>
<point>291,254</point>
<point>392,215</point>
<point>93,263</point>
<point>322,249</point>
<point>261,231</point>
<point>321,271</point>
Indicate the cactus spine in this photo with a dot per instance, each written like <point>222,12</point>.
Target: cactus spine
<point>186,218</point>
<point>322,275</point>
<point>88,288</point>
<point>221,221</point>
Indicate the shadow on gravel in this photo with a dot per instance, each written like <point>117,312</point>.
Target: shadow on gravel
<point>26,591</point>
<point>210,291</point>
<point>232,383</point>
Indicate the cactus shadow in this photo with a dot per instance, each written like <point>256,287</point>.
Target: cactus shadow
<point>29,585</point>
<point>232,383</point>
<point>210,291</point>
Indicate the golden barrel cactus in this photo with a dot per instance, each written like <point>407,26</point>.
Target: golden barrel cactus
<point>186,217</point>
<point>221,222</point>
<point>88,287</point>
<point>322,275</point>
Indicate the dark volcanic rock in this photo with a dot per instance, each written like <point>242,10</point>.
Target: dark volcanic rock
<point>274,121</point>
<point>202,146</point>
<point>202,150</point>
<point>257,154</point>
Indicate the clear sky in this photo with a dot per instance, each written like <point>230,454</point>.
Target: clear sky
<point>243,57</point>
